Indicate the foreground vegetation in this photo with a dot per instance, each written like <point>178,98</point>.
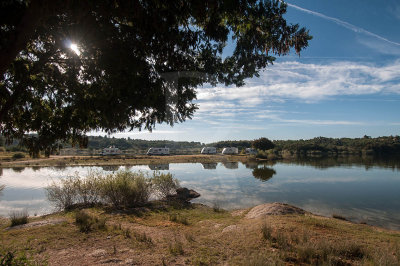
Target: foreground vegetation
<point>122,189</point>
<point>163,233</point>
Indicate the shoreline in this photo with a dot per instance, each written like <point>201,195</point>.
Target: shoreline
<point>67,161</point>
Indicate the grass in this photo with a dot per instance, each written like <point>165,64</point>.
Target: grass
<point>176,248</point>
<point>88,223</point>
<point>152,239</point>
<point>19,217</point>
<point>177,218</point>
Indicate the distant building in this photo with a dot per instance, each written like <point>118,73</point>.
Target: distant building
<point>208,150</point>
<point>158,151</point>
<point>112,150</point>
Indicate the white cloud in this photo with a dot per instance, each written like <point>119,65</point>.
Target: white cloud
<point>309,82</point>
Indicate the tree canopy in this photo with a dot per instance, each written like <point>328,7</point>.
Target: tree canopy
<point>263,144</point>
<point>70,67</point>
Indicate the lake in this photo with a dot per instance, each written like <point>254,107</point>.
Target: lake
<point>362,190</point>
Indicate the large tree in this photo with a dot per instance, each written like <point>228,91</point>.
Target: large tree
<point>262,144</point>
<point>132,64</point>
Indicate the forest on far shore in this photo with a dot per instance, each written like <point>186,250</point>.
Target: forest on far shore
<point>386,145</point>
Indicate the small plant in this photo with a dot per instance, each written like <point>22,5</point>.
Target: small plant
<point>176,248</point>
<point>217,208</point>
<point>176,218</point>
<point>18,218</point>
<point>13,258</point>
<point>142,237</point>
<point>266,231</point>
<point>87,223</point>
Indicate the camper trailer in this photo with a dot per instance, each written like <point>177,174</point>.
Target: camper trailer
<point>158,151</point>
<point>230,150</point>
<point>111,151</point>
<point>251,151</point>
<point>208,150</point>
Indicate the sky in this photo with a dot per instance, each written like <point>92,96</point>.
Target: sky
<point>345,84</point>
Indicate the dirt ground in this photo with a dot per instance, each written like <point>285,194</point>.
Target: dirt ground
<point>199,235</point>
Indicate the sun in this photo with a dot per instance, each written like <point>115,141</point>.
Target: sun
<point>74,47</point>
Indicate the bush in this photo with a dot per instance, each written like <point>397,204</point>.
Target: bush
<point>120,189</point>
<point>64,195</point>
<point>164,184</point>
<point>125,189</point>
<point>87,223</point>
<point>18,218</point>
<point>18,155</point>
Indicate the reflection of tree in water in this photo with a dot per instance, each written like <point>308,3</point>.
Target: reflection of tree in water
<point>18,169</point>
<point>110,167</point>
<point>231,165</point>
<point>1,171</point>
<point>156,167</point>
<point>391,162</point>
<point>263,173</point>
<point>209,165</point>
<point>36,168</point>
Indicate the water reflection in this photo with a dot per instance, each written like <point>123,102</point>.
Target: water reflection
<point>1,171</point>
<point>18,169</point>
<point>157,167</point>
<point>350,187</point>
<point>263,173</point>
<point>231,165</point>
<point>36,168</point>
<point>251,165</point>
<point>110,168</point>
<point>367,162</point>
<point>209,166</point>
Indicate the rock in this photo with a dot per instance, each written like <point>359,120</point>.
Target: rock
<point>184,194</point>
<point>275,208</point>
<point>230,228</point>
<point>98,253</point>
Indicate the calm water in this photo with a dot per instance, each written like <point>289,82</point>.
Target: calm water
<point>360,190</point>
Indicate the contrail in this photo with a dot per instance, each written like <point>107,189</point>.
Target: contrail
<point>343,24</point>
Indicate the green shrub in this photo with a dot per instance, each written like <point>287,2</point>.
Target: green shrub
<point>164,184</point>
<point>18,155</point>
<point>18,218</point>
<point>125,189</point>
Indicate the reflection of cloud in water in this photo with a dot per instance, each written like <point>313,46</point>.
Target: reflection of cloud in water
<point>352,192</point>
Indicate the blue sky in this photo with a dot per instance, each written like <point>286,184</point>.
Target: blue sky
<point>345,84</point>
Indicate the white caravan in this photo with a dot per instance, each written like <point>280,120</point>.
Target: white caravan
<point>251,151</point>
<point>111,151</point>
<point>208,150</point>
<point>158,151</point>
<point>230,150</point>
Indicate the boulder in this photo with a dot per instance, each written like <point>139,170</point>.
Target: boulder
<point>184,194</point>
<point>275,208</point>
